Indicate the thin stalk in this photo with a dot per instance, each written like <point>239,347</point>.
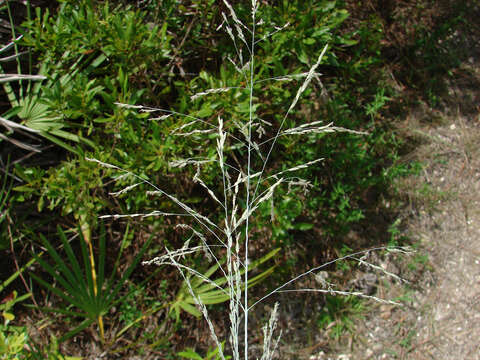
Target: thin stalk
<point>15,46</point>
<point>249,140</point>
<point>102,331</point>
<point>29,17</point>
<point>86,231</point>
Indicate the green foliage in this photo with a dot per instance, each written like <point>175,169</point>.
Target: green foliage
<point>396,234</point>
<point>12,338</point>
<point>345,264</point>
<point>128,308</point>
<point>95,55</point>
<point>49,352</point>
<point>80,27</point>
<point>15,344</point>
<point>210,292</point>
<point>61,187</point>
<point>88,290</point>
<point>212,354</point>
<point>420,261</point>
<point>87,76</point>
<point>32,105</point>
<point>129,141</point>
<point>341,311</point>
<point>352,161</point>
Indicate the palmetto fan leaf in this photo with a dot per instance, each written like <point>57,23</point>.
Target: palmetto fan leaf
<point>30,108</point>
<point>75,282</point>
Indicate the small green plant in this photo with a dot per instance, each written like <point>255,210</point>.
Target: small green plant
<point>212,354</point>
<point>48,352</point>
<point>395,233</point>
<point>346,264</point>
<point>406,342</point>
<point>13,339</point>
<point>341,312</point>
<point>211,291</point>
<point>378,103</point>
<point>128,308</point>
<point>419,261</point>
<point>86,289</point>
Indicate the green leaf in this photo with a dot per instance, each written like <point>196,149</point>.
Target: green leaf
<point>8,316</point>
<point>192,310</point>
<point>190,354</point>
<point>17,273</point>
<point>205,111</point>
<point>309,41</point>
<point>303,226</point>
<point>75,285</point>
<point>208,291</point>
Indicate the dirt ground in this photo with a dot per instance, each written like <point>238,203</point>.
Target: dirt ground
<point>441,316</point>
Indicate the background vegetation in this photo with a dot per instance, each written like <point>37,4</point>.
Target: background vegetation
<point>87,56</point>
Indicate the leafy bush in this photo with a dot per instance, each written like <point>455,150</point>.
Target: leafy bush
<point>120,139</point>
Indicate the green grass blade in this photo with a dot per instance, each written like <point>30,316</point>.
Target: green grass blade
<point>77,272</point>
<point>71,285</point>
<point>122,247</point>
<point>213,297</point>
<point>9,91</point>
<point>72,299</point>
<point>86,323</point>
<point>87,266</point>
<point>101,263</point>
<point>264,258</point>
<point>129,271</point>
<point>190,309</point>
<point>23,297</point>
<point>221,281</point>
<point>256,279</point>
<point>59,142</point>
<point>5,191</point>
<point>117,260</point>
<point>16,274</point>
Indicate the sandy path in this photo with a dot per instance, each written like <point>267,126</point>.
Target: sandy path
<point>441,319</point>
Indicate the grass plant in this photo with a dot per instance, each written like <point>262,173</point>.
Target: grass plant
<point>245,186</point>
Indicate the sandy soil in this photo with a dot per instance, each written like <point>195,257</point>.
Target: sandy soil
<point>441,316</point>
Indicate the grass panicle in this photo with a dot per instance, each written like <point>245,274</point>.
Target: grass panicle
<point>245,187</point>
